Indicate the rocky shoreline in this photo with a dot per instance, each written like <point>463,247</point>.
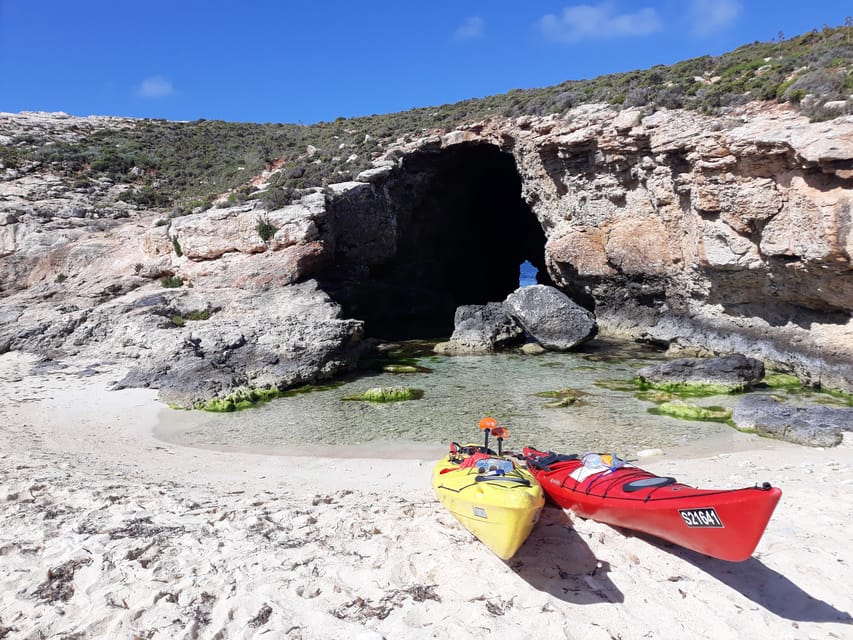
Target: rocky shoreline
<point>708,235</point>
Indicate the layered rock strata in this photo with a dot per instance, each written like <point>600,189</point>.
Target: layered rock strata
<point>707,234</point>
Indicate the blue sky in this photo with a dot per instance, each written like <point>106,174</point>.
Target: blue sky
<point>304,61</point>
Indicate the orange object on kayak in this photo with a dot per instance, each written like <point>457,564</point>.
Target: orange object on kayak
<point>725,524</point>
<point>488,423</point>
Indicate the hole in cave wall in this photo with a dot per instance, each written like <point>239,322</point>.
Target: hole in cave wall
<point>460,233</point>
<point>528,274</point>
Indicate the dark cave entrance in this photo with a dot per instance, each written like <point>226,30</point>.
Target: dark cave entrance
<point>461,232</point>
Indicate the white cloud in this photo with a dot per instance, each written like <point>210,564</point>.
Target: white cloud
<point>588,22</point>
<point>155,87</point>
<point>473,27</point>
<point>709,16</point>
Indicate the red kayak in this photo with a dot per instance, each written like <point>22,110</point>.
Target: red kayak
<point>725,524</point>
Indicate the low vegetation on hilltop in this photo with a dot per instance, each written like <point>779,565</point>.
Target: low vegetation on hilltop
<point>186,165</point>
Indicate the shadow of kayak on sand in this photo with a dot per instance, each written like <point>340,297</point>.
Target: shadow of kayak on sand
<point>758,582</point>
<point>556,560</point>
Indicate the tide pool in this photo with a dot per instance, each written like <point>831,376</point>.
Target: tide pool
<point>458,391</point>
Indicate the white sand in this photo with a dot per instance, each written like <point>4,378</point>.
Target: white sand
<point>106,532</point>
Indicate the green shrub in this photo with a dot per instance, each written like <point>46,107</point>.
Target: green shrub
<point>10,157</point>
<point>181,320</point>
<point>265,228</point>
<point>190,162</point>
<point>172,282</point>
<point>146,197</point>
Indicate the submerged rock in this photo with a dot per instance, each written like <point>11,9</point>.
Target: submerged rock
<point>815,426</point>
<point>688,411</point>
<point>726,374</point>
<point>551,317</point>
<point>404,368</point>
<point>561,398</point>
<point>388,394</point>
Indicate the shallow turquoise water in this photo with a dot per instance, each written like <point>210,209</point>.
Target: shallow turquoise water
<point>457,393</point>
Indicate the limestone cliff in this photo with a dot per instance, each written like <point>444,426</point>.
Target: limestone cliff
<point>707,234</point>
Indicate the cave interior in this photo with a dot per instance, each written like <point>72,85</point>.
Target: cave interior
<point>462,232</point>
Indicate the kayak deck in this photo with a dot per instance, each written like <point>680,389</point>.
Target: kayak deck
<point>499,506</point>
<point>725,524</point>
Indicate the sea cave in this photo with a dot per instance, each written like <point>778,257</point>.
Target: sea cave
<point>447,228</point>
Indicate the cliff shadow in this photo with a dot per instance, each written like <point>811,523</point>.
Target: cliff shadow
<point>782,295</point>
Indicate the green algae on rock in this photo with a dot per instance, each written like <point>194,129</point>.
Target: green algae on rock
<point>311,388</point>
<point>247,398</point>
<point>388,394</point>
<point>567,401</point>
<point>832,397</point>
<point>561,393</point>
<point>687,411</point>
<point>782,381</point>
<point>241,399</point>
<point>690,389</point>
<point>793,385</point>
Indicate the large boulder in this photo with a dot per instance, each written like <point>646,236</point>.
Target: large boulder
<point>551,317</point>
<point>281,338</point>
<point>481,329</point>
<point>731,373</point>
<point>815,426</point>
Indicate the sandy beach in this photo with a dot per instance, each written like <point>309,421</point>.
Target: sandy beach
<point>108,532</point>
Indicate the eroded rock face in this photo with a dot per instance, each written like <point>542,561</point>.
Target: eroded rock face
<point>197,306</point>
<point>276,338</point>
<point>735,371</point>
<point>708,234</point>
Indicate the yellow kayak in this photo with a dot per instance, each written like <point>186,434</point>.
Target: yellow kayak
<point>490,495</point>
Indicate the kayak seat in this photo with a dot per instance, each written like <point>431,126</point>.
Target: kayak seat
<point>654,482</point>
